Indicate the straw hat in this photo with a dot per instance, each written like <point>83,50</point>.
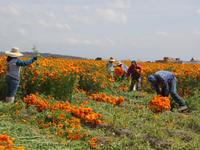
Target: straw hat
<point>111,59</point>
<point>14,52</point>
<point>119,63</point>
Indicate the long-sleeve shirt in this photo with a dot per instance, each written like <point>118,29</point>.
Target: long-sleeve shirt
<point>125,68</point>
<point>163,80</point>
<point>133,72</point>
<point>110,66</point>
<point>13,66</point>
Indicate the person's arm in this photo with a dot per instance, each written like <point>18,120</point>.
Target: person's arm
<point>157,89</point>
<point>128,72</point>
<point>139,67</point>
<point>158,78</point>
<point>107,64</point>
<point>164,84</point>
<point>25,63</point>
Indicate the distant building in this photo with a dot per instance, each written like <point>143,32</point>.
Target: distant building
<point>197,62</point>
<point>168,59</point>
<point>165,60</point>
<point>177,60</point>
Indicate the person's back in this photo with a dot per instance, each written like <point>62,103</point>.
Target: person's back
<point>125,68</point>
<point>163,75</point>
<point>12,69</point>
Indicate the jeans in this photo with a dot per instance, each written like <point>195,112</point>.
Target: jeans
<point>133,84</point>
<point>12,85</point>
<point>174,94</point>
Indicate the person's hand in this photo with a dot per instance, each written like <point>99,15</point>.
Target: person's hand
<point>35,58</point>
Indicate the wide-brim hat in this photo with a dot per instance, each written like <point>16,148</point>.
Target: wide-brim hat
<point>119,63</point>
<point>14,52</point>
<point>151,79</point>
<point>111,59</point>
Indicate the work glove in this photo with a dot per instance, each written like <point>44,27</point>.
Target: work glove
<point>35,58</point>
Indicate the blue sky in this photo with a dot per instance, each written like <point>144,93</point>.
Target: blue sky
<point>144,30</point>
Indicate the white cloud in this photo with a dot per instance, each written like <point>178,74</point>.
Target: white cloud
<point>84,20</point>
<point>197,33</point>
<point>23,32</point>
<point>161,33</point>
<point>12,9</point>
<point>83,42</point>
<point>110,41</point>
<point>62,26</point>
<point>69,8</point>
<point>119,4</point>
<point>87,42</point>
<point>112,16</point>
<point>56,25</point>
<point>198,11</point>
<point>43,24</point>
<point>72,41</point>
<point>50,15</point>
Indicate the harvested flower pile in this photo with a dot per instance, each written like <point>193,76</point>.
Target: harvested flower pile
<point>160,103</point>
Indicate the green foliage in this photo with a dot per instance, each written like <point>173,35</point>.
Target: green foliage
<point>3,88</point>
<point>35,51</point>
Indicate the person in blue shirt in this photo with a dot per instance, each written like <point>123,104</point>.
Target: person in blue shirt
<point>13,65</point>
<point>167,81</point>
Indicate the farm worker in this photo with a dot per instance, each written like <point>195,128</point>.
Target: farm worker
<point>110,65</point>
<point>125,68</point>
<point>167,81</point>
<point>13,65</point>
<point>134,71</point>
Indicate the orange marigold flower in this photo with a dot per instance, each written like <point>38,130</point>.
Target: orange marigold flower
<point>88,141</point>
<point>94,139</point>
<point>60,126</point>
<point>85,133</point>
<point>93,145</point>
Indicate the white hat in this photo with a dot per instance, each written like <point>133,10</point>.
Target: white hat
<point>14,52</point>
<point>111,59</point>
<point>119,63</point>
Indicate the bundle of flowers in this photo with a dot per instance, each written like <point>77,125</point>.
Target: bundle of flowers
<point>119,71</point>
<point>160,103</point>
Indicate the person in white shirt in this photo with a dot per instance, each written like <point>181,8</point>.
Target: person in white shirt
<point>123,66</point>
<point>110,65</point>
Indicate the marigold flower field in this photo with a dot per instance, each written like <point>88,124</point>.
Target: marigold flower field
<point>51,85</point>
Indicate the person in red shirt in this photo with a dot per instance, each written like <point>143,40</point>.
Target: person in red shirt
<point>134,71</point>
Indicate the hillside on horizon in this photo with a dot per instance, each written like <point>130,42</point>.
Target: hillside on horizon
<point>46,55</point>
